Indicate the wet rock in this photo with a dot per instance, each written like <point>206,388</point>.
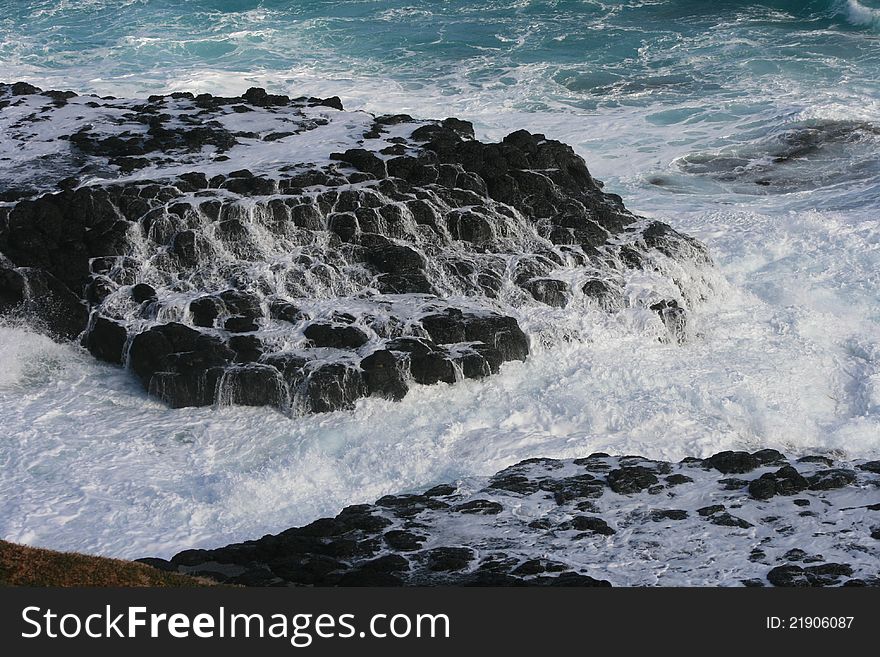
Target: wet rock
<point>287,312</point>
<point>432,367</point>
<point>763,488</point>
<point>871,466</point>
<point>479,507</point>
<point>384,375</point>
<point>627,481</point>
<point>831,479</point>
<point>205,310</point>
<point>733,462</point>
<point>588,524</point>
<point>578,487</point>
<point>727,520</point>
<point>403,541</point>
<point>239,324</point>
<point>549,291</point>
<point>43,299</point>
<point>710,510</point>
<point>106,340</point>
<point>448,559</point>
<point>658,515</point>
<point>796,576</point>
<point>142,293</point>
<point>253,385</point>
<point>337,337</point>
<point>333,387</point>
<point>501,333</point>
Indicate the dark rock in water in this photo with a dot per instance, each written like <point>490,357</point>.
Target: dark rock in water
<point>627,481</point>
<point>678,479</point>
<point>403,541</point>
<point>481,507</point>
<point>432,367</point>
<point>333,387</point>
<point>106,340</point>
<point>710,510</point>
<point>143,292</point>
<point>339,337</point>
<point>247,348</point>
<point>37,295</point>
<point>500,333</point>
<point>549,291</point>
<point>253,385</point>
<point>205,311</point>
<point>588,524</point>
<point>445,559</point>
<point>769,457</point>
<point>727,520</point>
<point>828,574</point>
<point>733,462</point>
<point>509,533</point>
<point>668,514</point>
<point>673,316</point>
<point>287,312</point>
<point>415,233</point>
<point>871,466</point>
<point>383,375</point>
<point>763,488</point>
<point>830,479</point>
<point>239,324</point>
<point>606,295</point>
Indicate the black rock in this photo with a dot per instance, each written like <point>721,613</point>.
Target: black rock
<point>831,479</point>
<point>733,462</point>
<point>287,312</point>
<point>627,481</point>
<point>384,375</point>
<point>106,340</point>
<point>658,515</point>
<point>710,510</point>
<point>205,310</point>
<point>448,559</point>
<point>763,488</point>
<point>549,291</point>
<point>333,387</point>
<point>44,299</point>
<point>727,520</point>
<point>588,524</point>
<point>403,541</point>
<point>871,466</point>
<point>432,367</point>
<point>338,337</point>
<point>479,507</point>
<point>796,576</point>
<point>143,292</point>
<point>240,324</point>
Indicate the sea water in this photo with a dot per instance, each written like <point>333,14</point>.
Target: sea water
<point>753,126</point>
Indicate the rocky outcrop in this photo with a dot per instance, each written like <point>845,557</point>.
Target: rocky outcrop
<point>591,521</point>
<point>273,251</point>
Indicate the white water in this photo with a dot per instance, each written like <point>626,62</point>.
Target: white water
<point>786,353</point>
<point>786,356</point>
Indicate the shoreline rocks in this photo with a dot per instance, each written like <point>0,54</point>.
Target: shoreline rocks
<point>594,521</point>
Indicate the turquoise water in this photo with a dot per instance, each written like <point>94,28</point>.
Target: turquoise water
<point>754,126</point>
<point>661,78</point>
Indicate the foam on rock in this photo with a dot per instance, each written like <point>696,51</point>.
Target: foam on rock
<point>594,521</point>
<point>263,250</point>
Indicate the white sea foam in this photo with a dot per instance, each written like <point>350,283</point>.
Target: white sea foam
<point>785,353</point>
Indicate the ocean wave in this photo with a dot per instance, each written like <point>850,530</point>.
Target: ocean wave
<point>858,14</point>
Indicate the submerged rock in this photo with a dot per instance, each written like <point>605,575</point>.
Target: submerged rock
<point>546,522</point>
